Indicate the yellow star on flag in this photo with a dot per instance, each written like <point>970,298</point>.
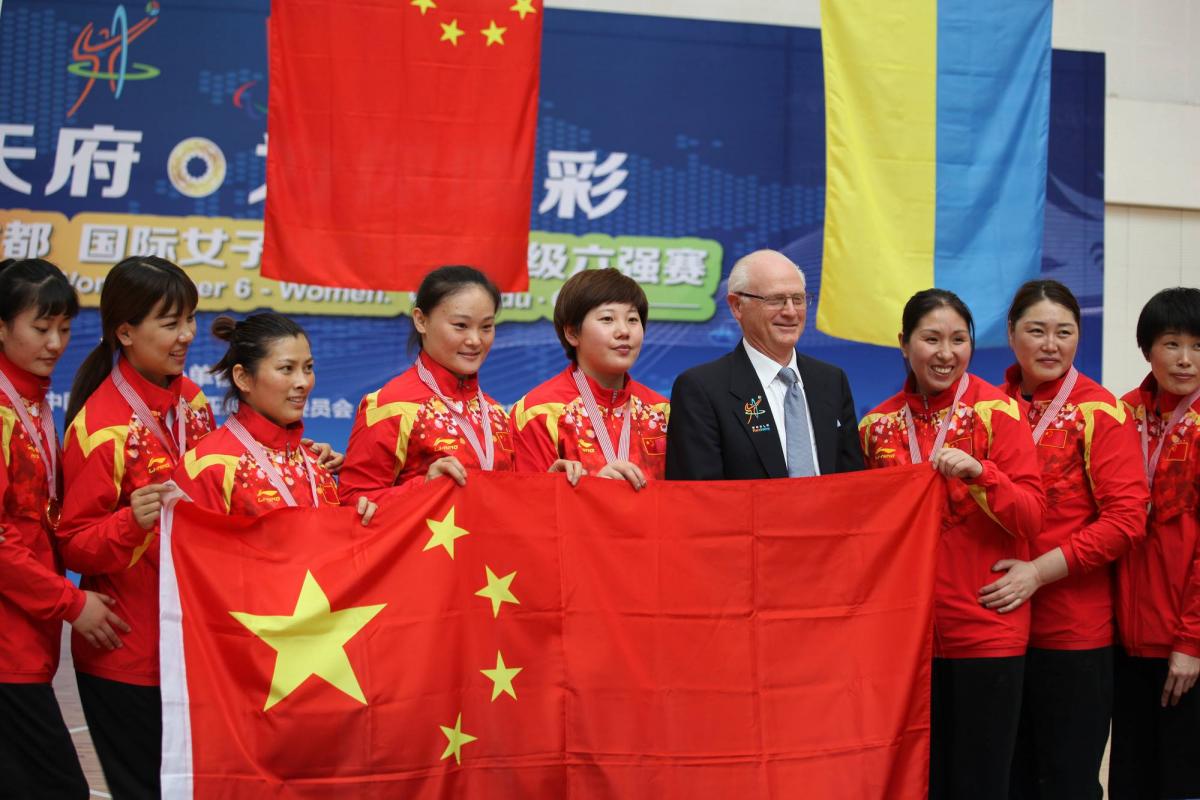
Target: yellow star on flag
<point>502,678</point>
<point>424,5</point>
<point>451,32</point>
<point>494,33</point>
<point>310,642</point>
<point>444,533</point>
<point>497,590</point>
<point>457,740</point>
<point>523,7</point>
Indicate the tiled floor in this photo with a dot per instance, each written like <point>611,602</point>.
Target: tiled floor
<point>68,700</point>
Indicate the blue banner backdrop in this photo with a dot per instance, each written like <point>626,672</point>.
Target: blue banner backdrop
<point>666,147</point>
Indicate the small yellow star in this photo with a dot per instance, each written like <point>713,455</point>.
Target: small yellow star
<point>424,5</point>
<point>444,533</point>
<point>457,740</point>
<point>310,641</point>
<point>451,32</point>
<point>502,678</point>
<point>494,33</point>
<point>523,7</point>
<point>497,590</point>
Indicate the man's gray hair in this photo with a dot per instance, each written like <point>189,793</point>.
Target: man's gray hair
<point>739,276</point>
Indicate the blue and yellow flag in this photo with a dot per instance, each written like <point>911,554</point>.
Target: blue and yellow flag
<point>937,114</point>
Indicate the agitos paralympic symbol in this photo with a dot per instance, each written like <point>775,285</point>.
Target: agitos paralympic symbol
<point>113,43</point>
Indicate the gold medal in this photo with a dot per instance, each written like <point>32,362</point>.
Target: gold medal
<point>53,513</point>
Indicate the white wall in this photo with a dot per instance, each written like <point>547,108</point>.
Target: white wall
<point>1145,249</point>
<point>1152,137</point>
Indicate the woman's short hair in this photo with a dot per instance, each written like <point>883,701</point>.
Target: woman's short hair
<point>1171,310</point>
<point>586,290</point>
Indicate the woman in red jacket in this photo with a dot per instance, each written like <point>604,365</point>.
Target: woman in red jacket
<point>433,419</point>
<point>1095,512</point>
<point>256,462</point>
<point>974,435</point>
<point>37,756</point>
<point>1156,711</point>
<point>600,318</point>
<point>127,427</point>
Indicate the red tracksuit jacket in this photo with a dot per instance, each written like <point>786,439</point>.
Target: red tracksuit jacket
<point>35,597</point>
<point>1158,582</point>
<point>1096,499</point>
<point>108,454</point>
<point>404,427</point>
<point>989,518</point>
<point>219,475</point>
<point>550,423</point>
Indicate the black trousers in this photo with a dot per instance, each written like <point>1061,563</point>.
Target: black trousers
<point>1155,750</point>
<point>125,721</point>
<point>37,757</point>
<point>1064,724</point>
<point>976,706</point>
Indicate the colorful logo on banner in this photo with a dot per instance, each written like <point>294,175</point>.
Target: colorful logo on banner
<point>113,44</point>
<point>244,98</point>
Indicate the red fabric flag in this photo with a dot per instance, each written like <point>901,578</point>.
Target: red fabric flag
<point>521,638</point>
<point>401,139</point>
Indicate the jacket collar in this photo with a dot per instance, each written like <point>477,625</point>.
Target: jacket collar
<point>1045,391</point>
<point>928,405</point>
<point>766,368</point>
<point>606,398</point>
<point>31,387</point>
<point>156,397</point>
<point>270,435</point>
<point>450,384</point>
<point>1158,400</point>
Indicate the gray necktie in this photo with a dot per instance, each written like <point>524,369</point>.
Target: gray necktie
<point>795,420</point>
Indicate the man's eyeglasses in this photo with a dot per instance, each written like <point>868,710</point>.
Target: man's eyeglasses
<point>778,301</point>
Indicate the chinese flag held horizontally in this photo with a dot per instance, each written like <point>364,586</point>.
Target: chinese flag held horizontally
<point>401,139</point>
<point>519,638</point>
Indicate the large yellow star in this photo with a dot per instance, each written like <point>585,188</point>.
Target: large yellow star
<point>497,590</point>
<point>494,33</point>
<point>451,32</point>
<point>310,642</point>
<point>457,740</point>
<point>424,5</point>
<point>523,7</point>
<point>502,678</point>
<point>444,533</point>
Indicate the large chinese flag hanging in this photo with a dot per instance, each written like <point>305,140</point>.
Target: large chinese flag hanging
<point>522,639</point>
<point>401,139</point>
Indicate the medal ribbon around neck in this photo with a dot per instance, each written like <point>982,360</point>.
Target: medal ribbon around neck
<point>1151,460</point>
<point>1056,405</point>
<point>261,458</point>
<point>914,449</point>
<point>140,410</point>
<point>49,456</point>
<point>485,454</point>
<point>598,426</point>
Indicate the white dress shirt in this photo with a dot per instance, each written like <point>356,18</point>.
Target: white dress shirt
<point>775,390</point>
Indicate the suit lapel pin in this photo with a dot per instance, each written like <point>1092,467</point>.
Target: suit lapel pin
<point>753,410</point>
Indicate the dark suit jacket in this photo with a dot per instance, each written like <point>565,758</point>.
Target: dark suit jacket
<point>712,434</point>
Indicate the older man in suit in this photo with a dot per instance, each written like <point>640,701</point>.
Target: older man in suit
<point>764,410</point>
